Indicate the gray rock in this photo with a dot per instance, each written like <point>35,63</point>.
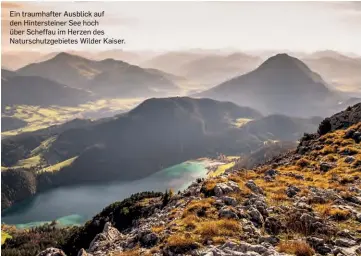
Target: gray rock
<point>225,188</point>
<point>291,191</point>
<point>228,213</point>
<point>349,159</point>
<point>52,252</point>
<point>325,167</point>
<point>344,242</point>
<point>273,225</point>
<point>256,217</point>
<point>315,241</point>
<point>273,240</point>
<point>253,187</point>
<point>149,239</point>
<point>229,200</point>
<point>271,172</point>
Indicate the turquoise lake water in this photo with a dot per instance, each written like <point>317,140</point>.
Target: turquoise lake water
<point>75,205</point>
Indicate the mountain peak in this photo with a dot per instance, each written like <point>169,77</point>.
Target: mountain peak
<point>284,61</point>
<point>65,56</point>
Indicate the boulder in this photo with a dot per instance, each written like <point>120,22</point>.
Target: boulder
<point>273,225</point>
<point>229,200</point>
<point>228,213</point>
<point>256,217</point>
<point>344,242</point>
<point>52,252</point>
<point>291,191</point>
<point>225,188</point>
<point>325,167</point>
<point>253,187</point>
<point>349,159</point>
<point>148,239</point>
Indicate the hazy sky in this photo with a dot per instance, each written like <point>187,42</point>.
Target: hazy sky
<point>294,26</point>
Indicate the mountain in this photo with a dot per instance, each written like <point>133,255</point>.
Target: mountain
<point>5,74</point>
<point>214,69</point>
<point>305,202</point>
<point>106,77</point>
<point>130,81</point>
<point>11,123</point>
<point>158,133</point>
<point>172,61</point>
<point>340,71</point>
<point>33,90</point>
<point>72,70</point>
<point>14,60</point>
<point>282,84</point>
<point>205,68</point>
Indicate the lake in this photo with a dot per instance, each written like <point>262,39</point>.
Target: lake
<point>75,205</point>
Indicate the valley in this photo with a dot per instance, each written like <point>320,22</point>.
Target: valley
<point>83,201</point>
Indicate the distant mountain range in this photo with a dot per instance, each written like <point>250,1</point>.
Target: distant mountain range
<point>67,79</point>
<point>35,90</point>
<point>206,69</point>
<point>341,71</point>
<point>160,132</point>
<point>282,84</point>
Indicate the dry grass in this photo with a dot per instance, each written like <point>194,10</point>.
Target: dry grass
<point>222,227</point>
<point>158,229</point>
<point>198,207</point>
<point>296,247</point>
<point>339,214</point>
<point>327,211</point>
<point>329,150</point>
<point>180,240</point>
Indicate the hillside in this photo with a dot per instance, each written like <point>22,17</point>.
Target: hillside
<point>302,203</point>
<point>106,77</point>
<point>340,71</point>
<point>158,133</point>
<point>34,90</point>
<point>283,85</point>
<point>5,74</point>
<point>11,123</point>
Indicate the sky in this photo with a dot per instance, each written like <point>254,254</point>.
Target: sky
<point>247,26</point>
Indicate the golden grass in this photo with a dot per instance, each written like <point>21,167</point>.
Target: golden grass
<point>222,227</point>
<point>194,207</point>
<point>180,240</point>
<point>58,166</point>
<point>29,162</point>
<point>296,247</point>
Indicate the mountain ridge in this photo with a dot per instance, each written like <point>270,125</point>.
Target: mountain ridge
<point>281,85</point>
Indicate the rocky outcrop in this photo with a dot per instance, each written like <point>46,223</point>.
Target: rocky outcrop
<point>52,252</point>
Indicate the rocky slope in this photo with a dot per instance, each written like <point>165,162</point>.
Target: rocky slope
<point>302,203</point>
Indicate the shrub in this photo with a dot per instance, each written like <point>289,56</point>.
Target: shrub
<point>298,248</point>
